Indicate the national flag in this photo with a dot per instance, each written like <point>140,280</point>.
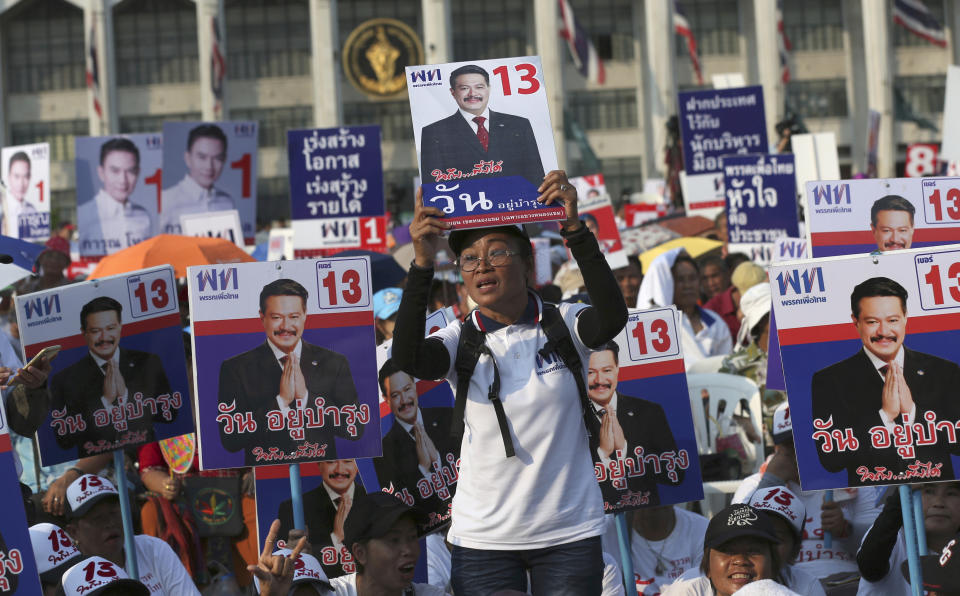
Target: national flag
<point>93,71</point>
<point>682,27</point>
<point>915,18</point>
<point>218,66</point>
<point>584,55</point>
<point>783,45</point>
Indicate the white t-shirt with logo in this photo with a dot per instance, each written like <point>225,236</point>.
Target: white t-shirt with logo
<point>346,585</point>
<point>547,494</point>
<point>161,570</point>
<point>678,552</point>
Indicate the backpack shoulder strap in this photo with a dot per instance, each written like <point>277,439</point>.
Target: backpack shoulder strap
<point>560,341</point>
<point>469,348</point>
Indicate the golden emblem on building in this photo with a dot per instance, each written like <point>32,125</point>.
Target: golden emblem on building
<point>376,53</point>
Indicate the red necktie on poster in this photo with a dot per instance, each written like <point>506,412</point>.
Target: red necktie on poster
<point>482,135</point>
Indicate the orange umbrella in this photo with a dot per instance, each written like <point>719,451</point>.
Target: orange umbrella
<point>169,249</point>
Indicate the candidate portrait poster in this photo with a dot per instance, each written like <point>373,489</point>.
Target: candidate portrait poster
<point>870,346</point>
<point>209,166</point>
<point>881,214</point>
<point>761,202</point>
<point>18,570</point>
<point>285,364</point>
<point>120,379</point>
<point>118,191</point>
<point>484,139</point>
<point>718,122</point>
<point>26,191</point>
<point>646,451</point>
<point>596,212</point>
<point>336,190</point>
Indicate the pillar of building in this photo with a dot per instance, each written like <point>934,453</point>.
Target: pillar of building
<point>764,56</point>
<point>856,82</point>
<point>212,51</point>
<point>98,33</point>
<point>656,79</point>
<point>548,48</point>
<point>325,43</point>
<point>878,61</point>
<point>437,31</point>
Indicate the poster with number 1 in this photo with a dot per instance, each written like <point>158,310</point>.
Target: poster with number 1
<point>120,378</point>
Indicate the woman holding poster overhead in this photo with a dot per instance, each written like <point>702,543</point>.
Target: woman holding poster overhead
<point>539,508</point>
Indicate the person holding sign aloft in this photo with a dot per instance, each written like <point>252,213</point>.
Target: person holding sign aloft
<point>539,509</point>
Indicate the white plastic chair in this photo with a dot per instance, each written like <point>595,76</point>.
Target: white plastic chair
<point>706,365</point>
<point>729,390</point>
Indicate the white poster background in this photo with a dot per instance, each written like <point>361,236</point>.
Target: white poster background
<point>950,147</point>
<point>215,224</point>
<point>703,194</point>
<point>815,156</point>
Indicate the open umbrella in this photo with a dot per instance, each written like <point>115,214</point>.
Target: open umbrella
<point>695,247</point>
<point>169,249</point>
<point>16,259</point>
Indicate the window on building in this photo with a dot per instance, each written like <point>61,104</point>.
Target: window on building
<point>489,29</point>
<point>814,25</point>
<point>902,37</point>
<point>275,122</point>
<point>621,176</point>
<point>44,47</point>
<point>353,13</point>
<point>267,38</point>
<point>715,24</point>
<point>923,94</point>
<point>392,116</point>
<point>273,200</point>
<point>610,108</point>
<point>153,122</point>
<point>63,207</point>
<point>59,133</point>
<point>609,23</point>
<point>826,98</point>
<point>156,42</point>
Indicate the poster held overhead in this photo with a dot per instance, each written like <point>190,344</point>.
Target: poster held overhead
<point>596,211</point>
<point>26,191</point>
<point>719,122</point>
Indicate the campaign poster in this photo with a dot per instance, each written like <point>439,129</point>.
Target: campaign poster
<point>216,224</point>
<point>209,166</point>
<point>881,214</point>
<point>26,191</point>
<point>596,212</point>
<point>637,214</point>
<point>646,455</point>
<point>341,234</point>
<point>120,379</point>
<point>280,244</point>
<point>420,460</point>
<point>718,122</point>
<point>484,140</point>
<point>118,191</point>
<point>870,346</point>
<point>921,160</point>
<point>18,570</point>
<point>703,194</point>
<point>284,362</point>
<point>761,203</point>
<point>790,249</point>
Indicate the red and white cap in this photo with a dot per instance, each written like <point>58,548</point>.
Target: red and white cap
<point>96,574</point>
<point>54,551</point>
<point>306,570</point>
<point>782,424</point>
<point>86,491</point>
<point>781,501</point>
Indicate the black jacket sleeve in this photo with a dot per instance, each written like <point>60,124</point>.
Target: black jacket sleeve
<point>26,409</point>
<point>873,558</point>
<point>412,353</point>
<point>607,315</point>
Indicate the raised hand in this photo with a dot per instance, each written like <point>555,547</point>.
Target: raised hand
<point>556,188</point>
<point>275,572</point>
<point>425,230</point>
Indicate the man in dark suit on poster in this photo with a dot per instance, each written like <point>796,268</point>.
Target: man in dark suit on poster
<point>106,377</point>
<point>325,510</point>
<point>882,386</point>
<point>475,133</point>
<point>625,424</point>
<point>282,373</point>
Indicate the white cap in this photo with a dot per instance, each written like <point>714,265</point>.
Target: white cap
<point>783,502</point>
<point>765,587</point>
<point>86,491</point>
<point>54,551</point>
<point>755,303</point>
<point>782,424</point>
<point>307,569</point>
<point>94,575</point>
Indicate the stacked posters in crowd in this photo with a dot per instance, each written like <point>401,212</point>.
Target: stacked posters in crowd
<point>484,157</point>
<point>18,569</point>
<point>336,190</point>
<point>26,191</point>
<point>284,367</point>
<point>596,212</point>
<point>208,166</point>
<point>646,451</point>
<point>872,381</point>
<point>118,191</point>
<point>120,378</point>
<point>878,215</point>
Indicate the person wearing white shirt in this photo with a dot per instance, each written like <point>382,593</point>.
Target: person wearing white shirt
<point>16,204</point>
<point>205,157</point>
<point>665,543</point>
<point>111,221</point>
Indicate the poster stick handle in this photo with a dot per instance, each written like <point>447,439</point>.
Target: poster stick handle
<point>129,546</point>
<point>921,526</point>
<point>296,495</point>
<point>909,535</point>
<point>626,557</point>
<point>828,536</point>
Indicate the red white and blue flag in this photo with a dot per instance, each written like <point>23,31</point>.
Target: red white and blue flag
<point>783,45</point>
<point>915,18</point>
<point>218,66</point>
<point>682,27</point>
<point>584,55</point>
<point>93,71</point>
